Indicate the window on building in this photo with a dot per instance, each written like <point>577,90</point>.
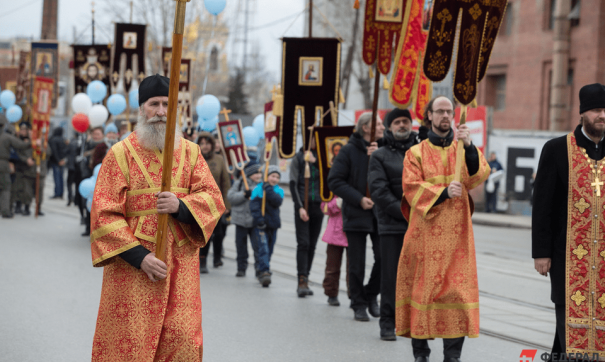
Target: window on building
<point>496,91</point>
<point>214,59</point>
<point>574,15</point>
<point>551,19</point>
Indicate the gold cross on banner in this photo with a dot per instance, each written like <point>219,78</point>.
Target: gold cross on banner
<point>225,112</point>
<point>598,183</point>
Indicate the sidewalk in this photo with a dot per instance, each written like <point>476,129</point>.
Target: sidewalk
<point>502,220</point>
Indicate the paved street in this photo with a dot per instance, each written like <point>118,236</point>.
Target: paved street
<point>50,295</point>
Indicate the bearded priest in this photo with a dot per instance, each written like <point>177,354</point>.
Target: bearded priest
<point>151,310</point>
<point>568,228</point>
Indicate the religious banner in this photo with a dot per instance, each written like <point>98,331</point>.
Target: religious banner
<point>23,79</point>
<point>271,129</point>
<point>41,107</point>
<point>91,62</point>
<point>383,23</point>
<point>45,63</point>
<point>184,85</point>
<point>127,58</point>
<point>232,143</point>
<point>310,81</point>
<point>329,141</point>
<point>479,25</point>
<point>8,78</point>
<point>409,85</point>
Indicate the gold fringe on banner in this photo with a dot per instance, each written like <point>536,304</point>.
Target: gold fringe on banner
<point>385,83</point>
<point>371,72</point>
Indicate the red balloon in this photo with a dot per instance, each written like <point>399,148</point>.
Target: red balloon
<point>80,122</point>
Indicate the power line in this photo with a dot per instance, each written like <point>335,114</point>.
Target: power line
<point>19,8</point>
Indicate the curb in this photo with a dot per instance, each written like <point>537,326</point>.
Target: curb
<point>502,224</point>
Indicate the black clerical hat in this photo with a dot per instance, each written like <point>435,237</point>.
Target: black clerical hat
<point>592,96</point>
<point>153,86</point>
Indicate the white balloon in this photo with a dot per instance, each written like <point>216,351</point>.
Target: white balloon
<point>98,115</point>
<point>81,103</point>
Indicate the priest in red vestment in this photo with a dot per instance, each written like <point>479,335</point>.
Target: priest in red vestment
<point>437,292</point>
<point>151,310</point>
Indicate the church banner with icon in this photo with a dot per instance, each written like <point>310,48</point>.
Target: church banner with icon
<point>478,30</point>
<point>185,100</point>
<point>383,23</point>
<point>45,63</point>
<point>23,79</point>
<point>232,143</point>
<point>91,62</point>
<point>310,81</point>
<point>127,57</point>
<point>41,107</point>
<point>329,141</point>
<point>409,85</point>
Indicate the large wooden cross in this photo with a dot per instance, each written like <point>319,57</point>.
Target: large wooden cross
<point>597,183</point>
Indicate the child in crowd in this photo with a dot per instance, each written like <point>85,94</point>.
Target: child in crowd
<point>241,217</point>
<point>337,245</point>
<point>265,226</point>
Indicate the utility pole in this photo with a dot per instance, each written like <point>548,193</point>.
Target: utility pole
<point>310,18</point>
<point>244,65</point>
<point>559,95</point>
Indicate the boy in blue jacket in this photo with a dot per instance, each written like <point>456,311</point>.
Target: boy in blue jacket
<point>265,227</point>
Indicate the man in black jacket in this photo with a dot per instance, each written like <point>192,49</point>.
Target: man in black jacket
<point>384,180</point>
<point>348,180</point>
<point>567,236</point>
<point>57,161</point>
<point>307,222</point>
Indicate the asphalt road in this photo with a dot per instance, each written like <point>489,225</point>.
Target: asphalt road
<point>50,295</point>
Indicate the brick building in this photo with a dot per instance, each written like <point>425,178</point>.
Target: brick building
<point>517,83</point>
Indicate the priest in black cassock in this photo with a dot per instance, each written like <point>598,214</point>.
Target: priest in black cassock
<point>568,233</point>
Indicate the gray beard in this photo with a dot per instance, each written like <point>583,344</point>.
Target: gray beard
<point>152,133</point>
<point>400,136</point>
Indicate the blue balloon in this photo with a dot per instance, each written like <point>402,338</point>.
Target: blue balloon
<point>95,172</point>
<point>89,204</point>
<point>208,107</point>
<point>97,91</point>
<point>208,125</point>
<point>7,98</point>
<point>259,125</point>
<point>87,188</point>
<point>133,98</point>
<point>14,113</point>
<point>116,104</point>
<point>215,7</point>
<point>251,137</point>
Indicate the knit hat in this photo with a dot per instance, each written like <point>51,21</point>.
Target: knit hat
<point>23,124</point>
<point>274,169</point>
<point>592,96</point>
<point>252,168</point>
<point>111,128</point>
<point>394,114</point>
<point>153,86</point>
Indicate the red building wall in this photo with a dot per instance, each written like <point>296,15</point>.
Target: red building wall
<point>524,55</point>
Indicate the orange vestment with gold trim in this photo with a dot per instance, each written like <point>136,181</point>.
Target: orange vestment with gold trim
<point>585,254</point>
<point>437,291</point>
<point>140,320</point>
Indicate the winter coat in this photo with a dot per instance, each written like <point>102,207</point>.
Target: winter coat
<point>297,180</point>
<point>348,179</point>
<point>384,181</point>
<point>240,205</point>
<point>57,146</point>
<point>334,234</point>
<point>275,197</point>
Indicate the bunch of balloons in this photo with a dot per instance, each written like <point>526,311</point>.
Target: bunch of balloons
<point>87,187</point>
<point>208,107</point>
<point>89,110</point>
<point>13,111</point>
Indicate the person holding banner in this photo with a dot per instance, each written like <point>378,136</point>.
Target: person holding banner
<point>437,293</point>
<point>151,310</point>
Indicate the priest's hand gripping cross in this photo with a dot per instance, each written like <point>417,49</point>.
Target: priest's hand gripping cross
<point>597,183</point>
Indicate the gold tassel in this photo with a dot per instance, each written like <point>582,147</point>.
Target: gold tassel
<point>371,72</point>
<point>342,97</point>
<point>385,83</point>
<point>109,46</point>
<point>150,46</point>
<point>278,105</point>
<point>356,5</point>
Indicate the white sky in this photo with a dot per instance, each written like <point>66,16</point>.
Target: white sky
<point>24,18</point>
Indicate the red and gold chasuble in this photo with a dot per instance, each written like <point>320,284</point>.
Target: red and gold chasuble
<point>437,290</point>
<point>585,269</point>
<point>140,320</point>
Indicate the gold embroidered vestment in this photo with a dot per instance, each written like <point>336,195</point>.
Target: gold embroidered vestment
<point>437,293</point>
<point>140,320</point>
<point>585,254</point>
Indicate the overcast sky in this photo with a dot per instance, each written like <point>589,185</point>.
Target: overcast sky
<point>24,18</point>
